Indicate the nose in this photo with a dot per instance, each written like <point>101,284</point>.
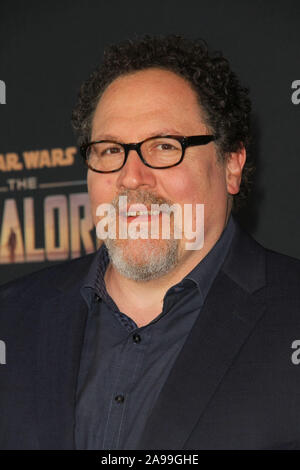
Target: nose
<point>135,174</point>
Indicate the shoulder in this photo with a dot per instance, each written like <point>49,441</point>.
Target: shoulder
<point>47,279</point>
<point>253,266</point>
<point>283,274</point>
<point>269,280</point>
<point>280,263</point>
<point>281,271</point>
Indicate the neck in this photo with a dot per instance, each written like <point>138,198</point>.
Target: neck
<point>147,296</point>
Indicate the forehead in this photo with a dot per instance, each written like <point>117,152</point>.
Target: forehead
<point>152,97</point>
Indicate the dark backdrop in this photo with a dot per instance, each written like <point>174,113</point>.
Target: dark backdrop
<point>48,48</point>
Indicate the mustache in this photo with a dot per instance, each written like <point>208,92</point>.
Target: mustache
<point>140,197</point>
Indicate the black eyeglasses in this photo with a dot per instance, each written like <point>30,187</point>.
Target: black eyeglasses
<point>160,152</point>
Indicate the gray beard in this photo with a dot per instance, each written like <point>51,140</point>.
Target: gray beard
<point>156,260</point>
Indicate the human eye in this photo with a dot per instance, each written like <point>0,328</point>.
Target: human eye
<point>165,146</point>
<point>110,149</point>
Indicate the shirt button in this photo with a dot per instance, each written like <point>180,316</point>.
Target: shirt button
<point>136,338</point>
<point>119,398</point>
<point>97,298</point>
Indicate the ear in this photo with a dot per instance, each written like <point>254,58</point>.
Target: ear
<point>234,166</point>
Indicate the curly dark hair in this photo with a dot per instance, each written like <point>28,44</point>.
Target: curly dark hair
<point>225,104</point>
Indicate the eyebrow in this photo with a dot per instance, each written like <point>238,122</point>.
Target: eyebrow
<point>161,132</point>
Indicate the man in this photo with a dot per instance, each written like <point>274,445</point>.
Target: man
<point>147,344</point>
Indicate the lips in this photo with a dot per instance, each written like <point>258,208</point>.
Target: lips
<point>140,210</point>
<point>141,216</point>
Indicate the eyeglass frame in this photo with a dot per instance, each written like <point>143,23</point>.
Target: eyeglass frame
<point>185,142</point>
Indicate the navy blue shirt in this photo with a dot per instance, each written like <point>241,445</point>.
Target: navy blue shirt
<point>123,367</point>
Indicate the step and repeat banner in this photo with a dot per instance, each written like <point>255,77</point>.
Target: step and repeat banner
<point>48,49</point>
<point>45,210</point>
<point>43,220</point>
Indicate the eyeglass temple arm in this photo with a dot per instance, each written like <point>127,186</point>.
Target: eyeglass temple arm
<point>199,140</point>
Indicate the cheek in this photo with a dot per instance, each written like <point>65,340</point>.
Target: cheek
<point>186,186</point>
<point>100,188</point>
<point>204,184</point>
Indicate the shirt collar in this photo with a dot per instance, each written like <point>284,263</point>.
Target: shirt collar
<point>206,270</point>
